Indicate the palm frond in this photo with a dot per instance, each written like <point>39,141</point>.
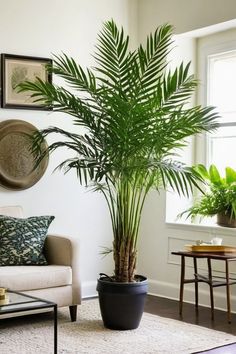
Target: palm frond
<point>105,250</point>
<point>112,55</point>
<point>177,175</point>
<point>153,60</point>
<point>62,100</point>
<point>176,88</point>
<point>66,68</point>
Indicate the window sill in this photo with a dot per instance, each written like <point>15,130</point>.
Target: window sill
<point>211,228</point>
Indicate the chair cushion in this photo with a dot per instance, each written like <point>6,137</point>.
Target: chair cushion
<point>22,278</point>
<point>12,210</point>
<point>22,240</point>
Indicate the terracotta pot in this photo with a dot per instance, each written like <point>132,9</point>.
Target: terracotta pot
<point>225,220</point>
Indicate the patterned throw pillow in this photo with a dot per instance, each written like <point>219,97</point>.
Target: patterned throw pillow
<point>22,240</point>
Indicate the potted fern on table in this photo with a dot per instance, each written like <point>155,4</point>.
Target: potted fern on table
<point>132,109</point>
<point>219,198</point>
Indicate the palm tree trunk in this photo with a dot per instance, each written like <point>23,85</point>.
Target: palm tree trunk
<point>125,232</point>
<point>125,261</point>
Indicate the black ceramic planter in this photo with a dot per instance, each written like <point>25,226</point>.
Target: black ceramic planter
<point>122,304</point>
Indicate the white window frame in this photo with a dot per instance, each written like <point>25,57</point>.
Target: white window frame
<point>221,43</point>
<point>227,54</point>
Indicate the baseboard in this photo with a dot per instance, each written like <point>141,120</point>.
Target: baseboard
<point>171,291</point>
<point>89,289</point>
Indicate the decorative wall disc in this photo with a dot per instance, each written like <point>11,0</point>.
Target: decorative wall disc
<point>16,159</point>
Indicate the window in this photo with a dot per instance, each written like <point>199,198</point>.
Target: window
<point>217,68</point>
<point>213,60</point>
<point>221,145</point>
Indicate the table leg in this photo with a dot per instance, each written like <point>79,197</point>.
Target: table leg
<point>228,290</point>
<point>181,292</point>
<point>211,287</point>
<point>196,282</point>
<point>55,329</point>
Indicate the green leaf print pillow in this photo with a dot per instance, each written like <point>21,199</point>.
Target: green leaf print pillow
<point>22,240</point>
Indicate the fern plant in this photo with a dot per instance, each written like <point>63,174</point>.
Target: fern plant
<point>133,111</point>
<point>220,196</point>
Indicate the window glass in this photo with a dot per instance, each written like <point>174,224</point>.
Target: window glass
<point>222,148</point>
<point>222,83</point>
<point>221,88</point>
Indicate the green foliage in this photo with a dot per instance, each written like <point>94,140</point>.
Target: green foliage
<point>134,113</point>
<point>221,197</point>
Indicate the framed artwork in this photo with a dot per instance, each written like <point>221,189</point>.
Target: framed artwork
<point>16,69</point>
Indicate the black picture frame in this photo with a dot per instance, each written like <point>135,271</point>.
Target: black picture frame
<point>19,68</point>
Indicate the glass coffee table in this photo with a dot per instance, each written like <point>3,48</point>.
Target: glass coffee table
<point>19,302</point>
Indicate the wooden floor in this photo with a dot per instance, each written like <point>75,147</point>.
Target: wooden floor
<point>170,308</point>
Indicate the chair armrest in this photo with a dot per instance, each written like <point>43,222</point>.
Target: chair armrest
<point>62,250</point>
<point>58,250</point>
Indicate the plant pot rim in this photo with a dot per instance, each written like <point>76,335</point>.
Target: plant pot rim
<point>110,279</point>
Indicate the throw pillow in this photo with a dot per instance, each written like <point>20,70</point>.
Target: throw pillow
<point>22,240</point>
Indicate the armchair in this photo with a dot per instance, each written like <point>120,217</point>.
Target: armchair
<point>58,281</point>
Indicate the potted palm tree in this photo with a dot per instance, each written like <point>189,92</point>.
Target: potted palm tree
<point>219,198</point>
<point>132,109</point>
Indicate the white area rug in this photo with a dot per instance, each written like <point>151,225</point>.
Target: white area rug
<point>156,335</point>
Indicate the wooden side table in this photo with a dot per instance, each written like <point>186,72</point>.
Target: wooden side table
<point>212,281</point>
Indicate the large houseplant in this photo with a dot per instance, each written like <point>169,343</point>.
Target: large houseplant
<point>132,109</point>
<point>219,198</point>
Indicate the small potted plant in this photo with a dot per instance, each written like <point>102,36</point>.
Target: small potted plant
<point>219,198</point>
<point>129,118</point>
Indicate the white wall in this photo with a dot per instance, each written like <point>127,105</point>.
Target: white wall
<point>159,238</point>
<point>39,28</point>
<point>184,15</point>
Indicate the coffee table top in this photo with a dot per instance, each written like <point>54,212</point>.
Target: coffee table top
<point>18,302</point>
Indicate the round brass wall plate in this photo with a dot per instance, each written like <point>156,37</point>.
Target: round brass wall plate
<point>16,159</point>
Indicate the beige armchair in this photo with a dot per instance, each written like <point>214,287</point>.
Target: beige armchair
<point>58,281</point>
